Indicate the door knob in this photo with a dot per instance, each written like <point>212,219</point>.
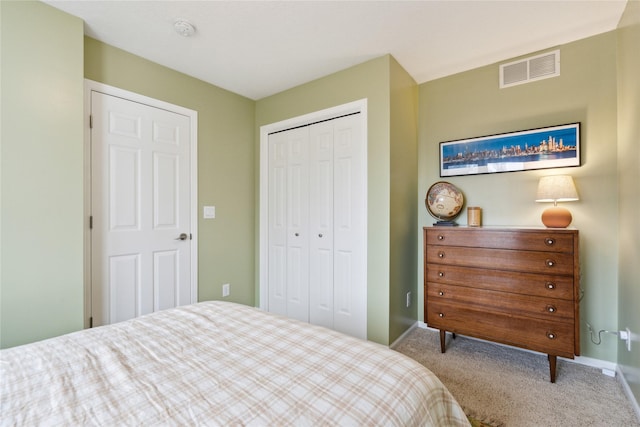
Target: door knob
<point>183,236</point>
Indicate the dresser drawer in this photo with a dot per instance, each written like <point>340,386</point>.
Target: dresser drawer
<point>557,310</point>
<point>501,259</point>
<point>530,240</point>
<point>543,285</point>
<point>554,338</point>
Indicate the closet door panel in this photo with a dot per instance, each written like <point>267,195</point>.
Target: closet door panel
<point>277,248</point>
<point>349,246</point>
<point>298,224</point>
<point>288,224</point>
<point>321,276</point>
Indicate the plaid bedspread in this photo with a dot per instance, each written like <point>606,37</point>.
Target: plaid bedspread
<point>217,363</point>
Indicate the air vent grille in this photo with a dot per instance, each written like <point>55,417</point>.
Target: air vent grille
<point>530,69</point>
<point>515,73</point>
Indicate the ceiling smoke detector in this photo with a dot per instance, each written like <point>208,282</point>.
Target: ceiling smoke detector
<point>184,28</point>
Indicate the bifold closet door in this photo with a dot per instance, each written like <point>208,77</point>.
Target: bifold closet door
<point>317,224</point>
<point>289,223</point>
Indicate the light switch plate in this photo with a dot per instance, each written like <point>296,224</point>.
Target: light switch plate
<point>209,212</point>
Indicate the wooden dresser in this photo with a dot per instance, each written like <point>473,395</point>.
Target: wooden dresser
<point>516,286</point>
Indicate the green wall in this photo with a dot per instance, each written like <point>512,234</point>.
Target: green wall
<point>41,281</point>
<point>403,216</point>
<point>371,80</point>
<point>629,193</point>
<point>471,104</point>
<point>226,174</point>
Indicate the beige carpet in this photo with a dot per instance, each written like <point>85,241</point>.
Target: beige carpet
<point>504,386</point>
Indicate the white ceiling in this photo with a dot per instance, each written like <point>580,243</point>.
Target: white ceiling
<point>258,48</point>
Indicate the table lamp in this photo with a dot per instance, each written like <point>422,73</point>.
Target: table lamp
<point>556,188</point>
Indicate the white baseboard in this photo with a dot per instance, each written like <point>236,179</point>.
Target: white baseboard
<point>607,368</point>
<point>627,391</point>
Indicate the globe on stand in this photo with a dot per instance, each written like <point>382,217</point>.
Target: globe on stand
<point>444,202</point>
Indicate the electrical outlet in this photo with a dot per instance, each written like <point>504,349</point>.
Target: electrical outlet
<point>408,299</point>
<point>225,290</point>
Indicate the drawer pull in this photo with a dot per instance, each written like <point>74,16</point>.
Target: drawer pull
<point>441,314</point>
<point>550,285</point>
<point>440,254</point>
<point>549,241</point>
<point>550,263</point>
<point>551,335</point>
<point>440,274</point>
<point>440,237</point>
<point>551,309</point>
<point>441,293</point>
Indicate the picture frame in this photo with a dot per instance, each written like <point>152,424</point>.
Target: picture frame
<point>541,148</point>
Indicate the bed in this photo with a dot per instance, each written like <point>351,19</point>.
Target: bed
<point>218,363</point>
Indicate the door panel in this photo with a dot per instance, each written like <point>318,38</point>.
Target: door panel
<point>165,191</point>
<point>288,224</point>
<point>165,275</point>
<point>124,287</point>
<point>141,203</point>
<point>277,247</point>
<point>321,264</point>
<point>124,212</point>
<point>350,230</point>
<point>297,201</point>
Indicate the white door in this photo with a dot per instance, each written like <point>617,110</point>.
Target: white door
<point>317,224</point>
<point>289,223</point>
<point>141,209</point>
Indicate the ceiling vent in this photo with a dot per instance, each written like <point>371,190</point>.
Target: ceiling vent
<point>530,69</point>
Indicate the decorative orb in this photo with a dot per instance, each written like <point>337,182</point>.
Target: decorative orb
<point>444,201</point>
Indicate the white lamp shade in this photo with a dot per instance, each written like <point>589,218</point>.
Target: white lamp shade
<point>556,188</point>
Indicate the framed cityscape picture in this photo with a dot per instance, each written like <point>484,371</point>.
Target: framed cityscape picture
<point>543,148</point>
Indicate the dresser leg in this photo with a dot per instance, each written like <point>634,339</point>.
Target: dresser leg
<point>552,367</point>
<point>443,335</point>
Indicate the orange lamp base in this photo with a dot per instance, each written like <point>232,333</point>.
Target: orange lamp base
<point>556,217</point>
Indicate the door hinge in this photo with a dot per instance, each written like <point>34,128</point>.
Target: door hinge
<point>90,121</point>
<point>91,322</point>
<point>91,222</point>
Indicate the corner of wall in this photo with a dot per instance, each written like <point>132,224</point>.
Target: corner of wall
<point>628,68</point>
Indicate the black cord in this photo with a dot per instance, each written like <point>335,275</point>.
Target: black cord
<point>599,334</point>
